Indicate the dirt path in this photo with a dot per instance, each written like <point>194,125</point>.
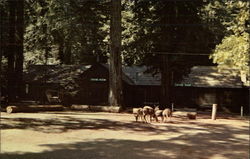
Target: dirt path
<point>81,135</point>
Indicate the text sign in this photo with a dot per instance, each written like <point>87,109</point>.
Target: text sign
<point>185,84</point>
<point>98,79</point>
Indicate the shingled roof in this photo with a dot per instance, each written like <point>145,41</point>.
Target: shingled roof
<point>139,76</point>
<point>54,73</point>
<point>133,75</point>
<point>136,75</point>
<point>200,76</point>
<point>209,76</point>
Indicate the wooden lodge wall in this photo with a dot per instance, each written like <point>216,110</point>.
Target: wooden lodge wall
<point>230,99</point>
<point>94,90</point>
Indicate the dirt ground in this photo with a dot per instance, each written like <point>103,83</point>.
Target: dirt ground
<point>86,135</point>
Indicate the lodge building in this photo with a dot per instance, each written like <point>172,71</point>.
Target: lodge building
<point>89,84</point>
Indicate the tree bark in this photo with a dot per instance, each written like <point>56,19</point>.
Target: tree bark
<point>19,48</point>
<point>165,82</point>
<point>165,68</point>
<point>67,53</point>
<point>11,51</point>
<point>60,51</point>
<point>115,67</point>
<point>1,54</point>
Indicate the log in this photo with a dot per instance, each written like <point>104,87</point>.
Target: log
<point>33,108</point>
<point>80,107</point>
<point>111,109</point>
<point>192,115</point>
<point>11,109</point>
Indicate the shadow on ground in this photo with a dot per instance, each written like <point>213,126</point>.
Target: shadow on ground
<point>199,146</point>
<point>210,142</point>
<point>67,122</point>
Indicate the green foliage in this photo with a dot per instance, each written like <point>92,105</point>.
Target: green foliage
<point>4,27</point>
<point>230,21</point>
<point>72,27</point>
<point>129,32</point>
<point>156,28</point>
<point>233,52</point>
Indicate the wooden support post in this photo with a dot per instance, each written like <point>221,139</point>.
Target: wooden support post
<point>241,111</point>
<point>172,107</point>
<point>214,111</point>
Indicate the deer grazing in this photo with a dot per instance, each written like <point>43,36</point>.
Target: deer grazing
<point>138,113</point>
<point>148,113</point>
<point>158,113</point>
<point>167,113</point>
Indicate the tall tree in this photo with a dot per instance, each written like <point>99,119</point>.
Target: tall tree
<point>4,34</point>
<point>115,67</point>
<point>75,30</point>
<point>1,50</point>
<point>168,31</point>
<point>12,50</point>
<point>19,46</point>
<point>230,23</point>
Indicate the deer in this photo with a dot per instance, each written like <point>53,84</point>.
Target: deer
<point>148,111</point>
<point>158,113</point>
<point>138,113</point>
<point>167,113</point>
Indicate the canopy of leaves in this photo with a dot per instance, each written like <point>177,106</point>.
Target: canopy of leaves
<point>70,29</point>
<point>159,28</point>
<point>230,21</point>
<point>233,52</point>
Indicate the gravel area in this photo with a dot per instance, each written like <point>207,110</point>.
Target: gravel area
<point>92,135</point>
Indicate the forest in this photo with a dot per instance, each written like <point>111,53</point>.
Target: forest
<point>166,35</point>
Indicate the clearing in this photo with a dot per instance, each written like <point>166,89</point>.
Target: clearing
<point>91,135</point>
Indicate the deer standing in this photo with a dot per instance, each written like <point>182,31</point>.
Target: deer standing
<point>158,113</point>
<point>167,113</point>
<point>138,113</point>
<point>148,113</point>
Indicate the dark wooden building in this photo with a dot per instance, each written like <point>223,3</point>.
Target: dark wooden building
<point>59,80</point>
<point>205,85</point>
<point>145,89</point>
<point>89,84</point>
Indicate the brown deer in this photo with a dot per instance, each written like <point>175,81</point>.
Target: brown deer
<point>167,113</point>
<point>138,113</point>
<point>158,113</point>
<point>148,113</point>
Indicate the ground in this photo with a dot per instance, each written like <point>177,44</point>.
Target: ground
<point>86,135</point>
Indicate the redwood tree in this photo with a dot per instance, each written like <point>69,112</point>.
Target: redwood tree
<point>11,51</point>
<point>115,67</point>
<point>15,48</point>
<point>19,46</point>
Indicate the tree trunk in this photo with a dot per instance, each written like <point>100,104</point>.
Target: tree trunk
<point>46,45</point>
<point>67,53</point>
<point>60,51</point>
<point>11,51</point>
<point>165,82</point>
<point>19,48</point>
<point>1,54</point>
<point>168,31</point>
<point>115,67</point>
